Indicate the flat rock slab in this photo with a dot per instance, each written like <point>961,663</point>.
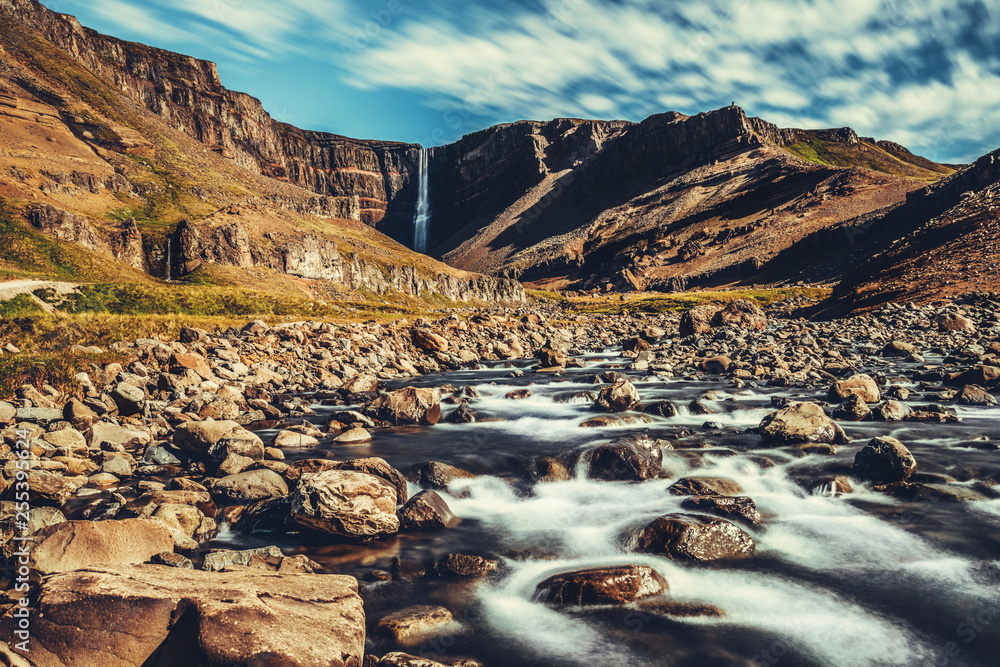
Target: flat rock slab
<point>160,616</point>
<point>72,545</point>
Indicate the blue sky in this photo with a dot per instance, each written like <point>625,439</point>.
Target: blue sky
<point>924,73</point>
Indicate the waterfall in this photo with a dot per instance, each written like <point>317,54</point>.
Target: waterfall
<point>422,219</point>
<point>168,258</point>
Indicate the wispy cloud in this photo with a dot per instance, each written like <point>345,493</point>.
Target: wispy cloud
<point>924,73</point>
<point>830,62</point>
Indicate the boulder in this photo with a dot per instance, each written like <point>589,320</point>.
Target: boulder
<point>76,413</point>
<point>696,538</point>
<point>180,363</point>
<point>410,405</point>
<point>697,320</point>
<point>466,566</point>
<point>550,358</point>
<point>379,467</point>
<point>621,396</point>
<point>400,659</point>
<point>800,422</point>
<point>955,322</point>
<point>734,508</point>
<point>51,488</point>
<point>890,411</point>
<point>413,625</point>
<point>661,409</point>
<point>852,409</point>
<point>218,560</point>
<point>250,486</point>
<point>860,385</point>
<point>705,486</point>
<point>73,545</point>
<point>8,413</point>
<point>436,475</point>
<point>155,615</point>
<point>427,509</point>
<point>346,503</point>
<point>217,439</point>
<point>633,458</point>
<point>285,439</point>
<point>716,365</point>
<point>884,460</point>
<point>741,314</point>
<point>619,584</point>
<point>974,395</point>
<point>101,433</point>
<point>354,436</point>
<point>129,399</point>
<point>429,341</point>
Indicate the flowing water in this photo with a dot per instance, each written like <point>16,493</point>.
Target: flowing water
<point>854,579</point>
<point>422,219</point>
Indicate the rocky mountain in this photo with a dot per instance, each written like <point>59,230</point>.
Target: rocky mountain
<point>668,203</point>
<point>941,242</point>
<point>142,156</point>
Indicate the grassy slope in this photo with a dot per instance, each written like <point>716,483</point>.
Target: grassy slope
<point>687,300</point>
<point>869,156</point>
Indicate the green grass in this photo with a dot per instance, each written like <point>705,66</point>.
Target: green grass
<point>19,306</point>
<point>27,253</point>
<point>545,295</point>
<point>846,156</point>
<point>687,300</point>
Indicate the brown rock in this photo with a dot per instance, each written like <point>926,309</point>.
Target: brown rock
<point>412,625</point>
<point>735,508</point>
<point>250,486</point>
<point>77,414</point>
<point>379,467</point>
<point>429,341</point>
<point>633,458</point>
<point>697,320</point>
<point>955,322</point>
<point>191,362</point>
<point>435,475</point>
<point>890,411</point>
<point>72,545</point>
<point>135,615</point>
<point>466,567</point>
<point>621,396</point>
<point>861,385</point>
<point>884,460</point>
<point>975,395</point>
<point>601,585</point>
<point>800,422</point>
<point>427,509</point>
<point>410,405</point>
<point>716,365</point>
<point>346,503</point>
<point>690,537</point>
<point>705,486</point>
<point>741,314</point>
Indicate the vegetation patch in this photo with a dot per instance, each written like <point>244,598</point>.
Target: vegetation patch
<point>687,300</point>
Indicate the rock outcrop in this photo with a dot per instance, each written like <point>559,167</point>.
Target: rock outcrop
<point>154,615</point>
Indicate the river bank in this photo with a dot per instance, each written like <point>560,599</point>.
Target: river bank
<point>516,486</point>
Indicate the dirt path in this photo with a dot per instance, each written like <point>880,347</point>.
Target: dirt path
<point>12,288</point>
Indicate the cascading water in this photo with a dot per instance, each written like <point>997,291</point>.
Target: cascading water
<point>421,221</point>
<point>168,258</point>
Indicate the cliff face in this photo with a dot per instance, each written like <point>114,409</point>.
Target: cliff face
<point>187,93</point>
<point>102,157</point>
